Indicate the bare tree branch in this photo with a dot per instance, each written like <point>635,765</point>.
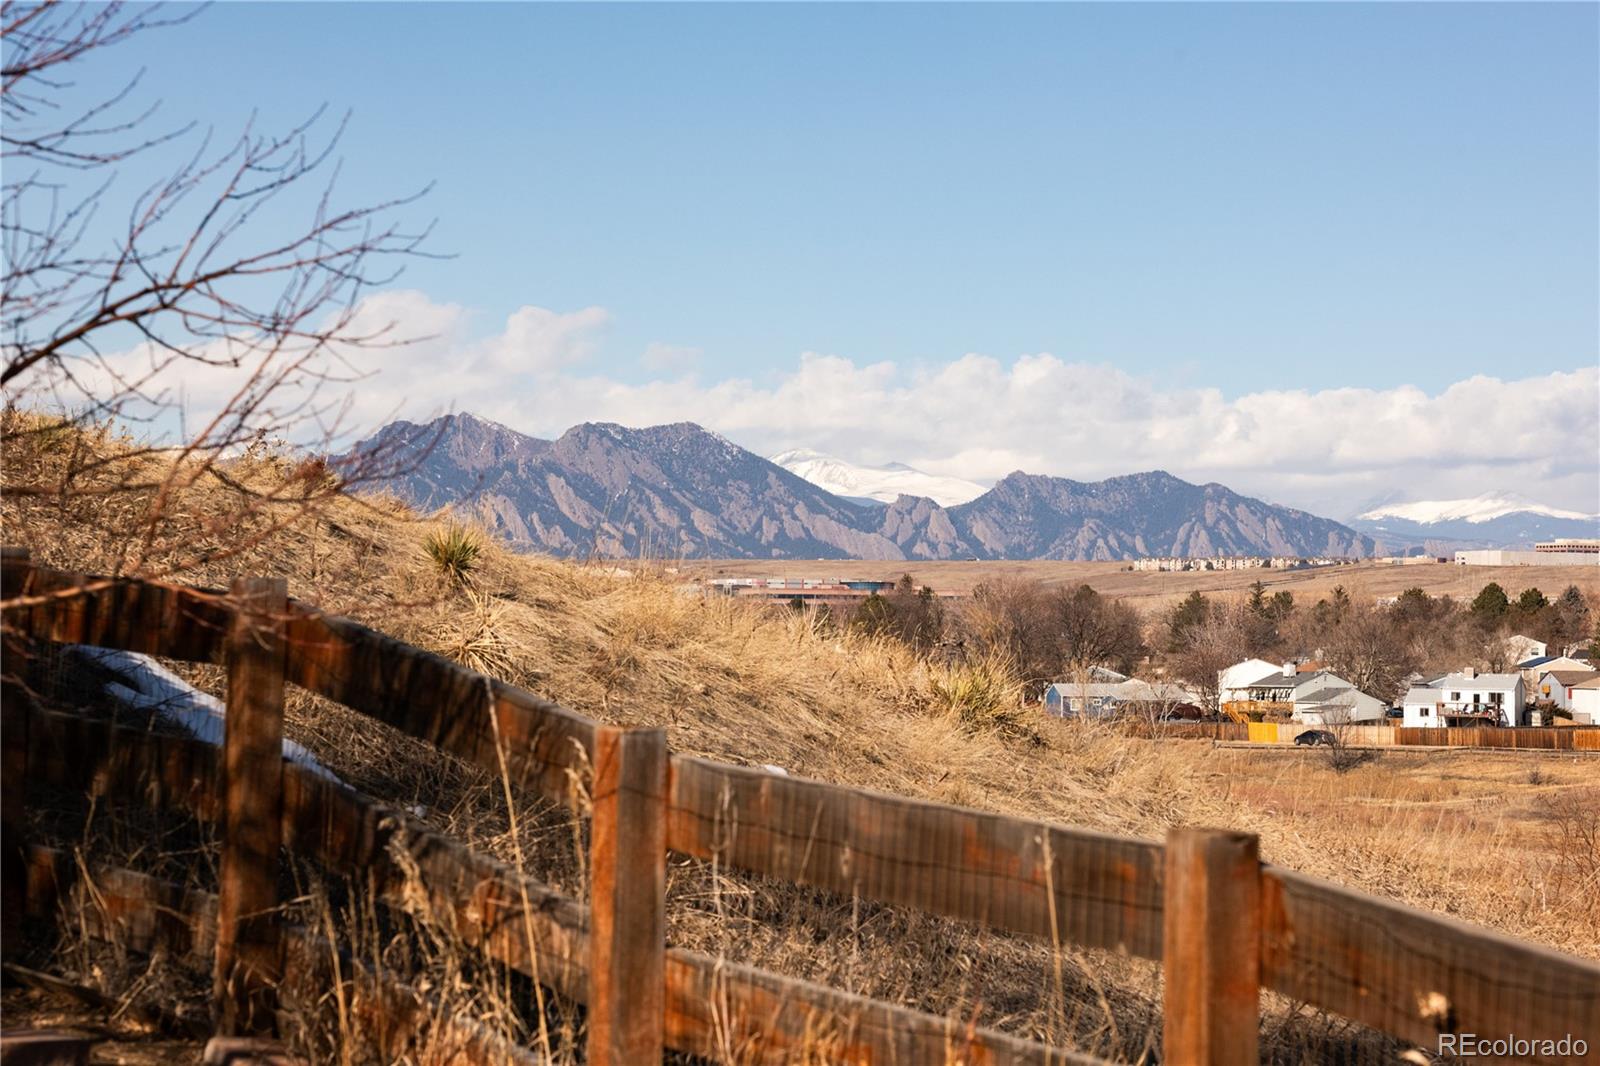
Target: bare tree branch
<point>202,283</point>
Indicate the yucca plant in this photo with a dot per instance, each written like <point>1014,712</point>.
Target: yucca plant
<point>454,549</point>
<point>981,695</point>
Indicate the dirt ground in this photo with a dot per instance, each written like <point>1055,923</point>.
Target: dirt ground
<point>1154,589</point>
<point>117,1038</point>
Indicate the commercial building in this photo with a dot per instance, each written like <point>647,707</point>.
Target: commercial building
<point>1571,545</point>
<point>1543,555</point>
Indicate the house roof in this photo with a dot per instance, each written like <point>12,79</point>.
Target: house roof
<point>1593,682</point>
<point>1537,660</point>
<point>1325,695</point>
<point>1426,697</point>
<point>1131,691</point>
<point>1278,680</point>
<point>1239,675</point>
<point>1490,682</point>
<point>1570,677</point>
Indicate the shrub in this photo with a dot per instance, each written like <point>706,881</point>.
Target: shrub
<point>454,549</point>
<point>982,695</point>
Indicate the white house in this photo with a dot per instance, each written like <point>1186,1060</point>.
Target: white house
<point>1327,699</point>
<point>1232,682</point>
<point>1586,702</point>
<point>1467,698</point>
<point>1100,699</point>
<point>1420,709</point>
<point>1519,647</point>
<point>1555,686</point>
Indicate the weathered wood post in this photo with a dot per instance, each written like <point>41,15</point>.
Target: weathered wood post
<point>1211,948</point>
<point>16,564</point>
<point>249,962</point>
<point>628,878</point>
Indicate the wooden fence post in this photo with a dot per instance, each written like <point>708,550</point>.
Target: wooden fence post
<point>249,960</point>
<point>16,564</point>
<point>1211,948</point>
<point>628,879</point>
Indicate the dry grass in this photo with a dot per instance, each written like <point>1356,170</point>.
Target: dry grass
<point>1459,832</point>
<point>1150,591</point>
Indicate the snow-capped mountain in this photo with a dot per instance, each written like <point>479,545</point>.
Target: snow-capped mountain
<point>882,483</point>
<point>1493,520</point>
<point>1489,506</point>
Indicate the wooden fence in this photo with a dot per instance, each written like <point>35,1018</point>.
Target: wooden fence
<point>1548,738</point>
<point>1223,924</point>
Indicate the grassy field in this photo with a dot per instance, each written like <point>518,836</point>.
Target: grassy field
<point>1157,589</point>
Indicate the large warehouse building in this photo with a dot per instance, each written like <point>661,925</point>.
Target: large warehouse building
<point>1551,553</point>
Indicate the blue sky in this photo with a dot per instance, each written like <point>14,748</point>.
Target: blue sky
<point>1211,199</point>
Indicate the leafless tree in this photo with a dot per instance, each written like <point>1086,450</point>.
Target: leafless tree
<point>1367,649</point>
<point>106,323</point>
<point>1210,646</point>
<point>1346,752</point>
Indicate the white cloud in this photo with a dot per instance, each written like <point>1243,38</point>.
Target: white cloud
<point>674,358</point>
<point>1331,451</point>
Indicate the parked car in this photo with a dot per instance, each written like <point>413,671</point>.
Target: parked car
<point>1316,738</point>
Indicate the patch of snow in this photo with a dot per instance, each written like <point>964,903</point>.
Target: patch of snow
<point>883,483</point>
<point>1485,508</point>
<point>146,685</point>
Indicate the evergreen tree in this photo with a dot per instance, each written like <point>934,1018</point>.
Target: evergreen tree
<point>1491,603</point>
<point>1572,614</point>
<point>1192,611</point>
<point>1531,600</point>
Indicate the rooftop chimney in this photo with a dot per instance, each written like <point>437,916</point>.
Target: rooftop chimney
<point>1470,671</point>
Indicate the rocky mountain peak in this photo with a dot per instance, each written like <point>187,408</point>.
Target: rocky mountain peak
<point>682,490</point>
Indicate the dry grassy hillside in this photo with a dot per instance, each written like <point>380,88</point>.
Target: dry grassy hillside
<point>1154,590</point>
<point>1495,839</point>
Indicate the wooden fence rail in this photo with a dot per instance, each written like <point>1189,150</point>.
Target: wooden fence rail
<point>1198,903</point>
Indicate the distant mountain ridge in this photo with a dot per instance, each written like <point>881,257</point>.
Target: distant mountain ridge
<point>682,491</point>
<point>1494,520</point>
<point>883,484</point>
<point>1478,509</point>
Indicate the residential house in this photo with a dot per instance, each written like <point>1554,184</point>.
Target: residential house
<point>1331,700</point>
<point>1231,682</point>
<point>1519,647</point>
<point>1554,687</point>
<point>1101,699</point>
<point>1317,697</point>
<point>1536,667</point>
<point>1421,708</point>
<point>1586,702</point>
<point>1467,698</point>
<point>1269,697</point>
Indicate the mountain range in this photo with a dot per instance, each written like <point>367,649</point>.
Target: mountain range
<point>875,484</point>
<point>682,491</point>
<point>1494,520</point>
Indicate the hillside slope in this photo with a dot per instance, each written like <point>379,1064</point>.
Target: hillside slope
<point>733,681</point>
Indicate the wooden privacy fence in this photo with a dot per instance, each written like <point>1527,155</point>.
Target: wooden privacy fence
<point>1547,738</point>
<point>1223,924</point>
